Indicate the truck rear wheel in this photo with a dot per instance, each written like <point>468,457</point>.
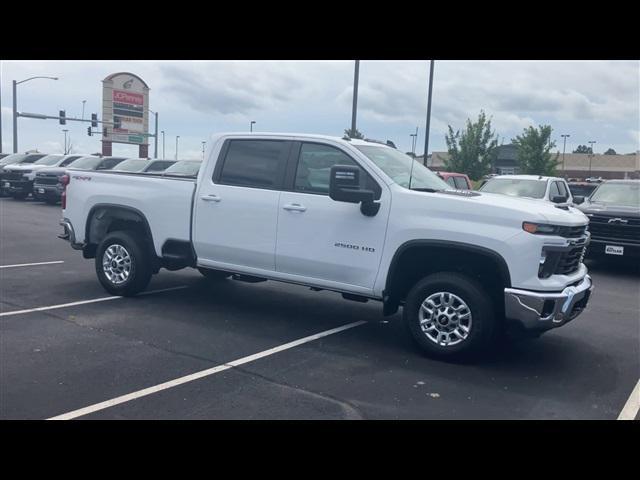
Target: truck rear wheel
<point>450,315</point>
<point>122,264</point>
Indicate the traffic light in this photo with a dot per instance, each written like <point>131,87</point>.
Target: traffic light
<point>63,120</point>
<point>94,119</point>
<point>117,123</point>
<point>89,131</point>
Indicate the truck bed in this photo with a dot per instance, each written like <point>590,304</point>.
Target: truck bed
<point>165,201</point>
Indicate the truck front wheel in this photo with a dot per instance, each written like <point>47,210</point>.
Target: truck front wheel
<point>122,264</point>
<point>450,315</point>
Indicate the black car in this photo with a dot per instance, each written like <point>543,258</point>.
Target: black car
<point>614,219</point>
<point>582,189</point>
<point>14,159</point>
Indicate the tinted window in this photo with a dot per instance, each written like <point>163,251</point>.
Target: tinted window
<point>48,160</point>
<point>563,189</point>
<point>314,166</point>
<point>133,165</point>
<point>69,160</point>
<point>582,190</point>
<point>184,168</point>
<point>451,182</point>
<point>13,158</point>
<point>109,163</point>
<point>159,166</point>
<point>554,191</point>
<point>461,183</point>
<point>516,187</point>
<point>254,163</point>
<point>33,158</point>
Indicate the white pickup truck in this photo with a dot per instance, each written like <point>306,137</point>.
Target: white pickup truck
<point>351,216</point>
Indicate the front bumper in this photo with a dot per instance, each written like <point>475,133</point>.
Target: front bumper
<point>545,310</point>
<point>47,191</point>
<point>19,186</point>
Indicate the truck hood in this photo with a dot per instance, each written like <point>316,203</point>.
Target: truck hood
<point>608,209</point>
<point>53,170</point>
<point>507,207</point>
<point>23,166</point>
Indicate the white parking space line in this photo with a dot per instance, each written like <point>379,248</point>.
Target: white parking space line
<point>31,264</point>
<point>82,302</point>
<point>201,374</point>
<point>630,409</point>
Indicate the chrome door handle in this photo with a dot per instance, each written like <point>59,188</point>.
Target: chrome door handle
<point>295,207</point>
<point>210,198</point>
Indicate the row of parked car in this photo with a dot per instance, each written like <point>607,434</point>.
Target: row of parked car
<point>39,174</point>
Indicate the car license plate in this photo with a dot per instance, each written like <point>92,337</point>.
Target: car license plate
<point>7,184</point>
<point>614,250</point>
<point>41,190</point>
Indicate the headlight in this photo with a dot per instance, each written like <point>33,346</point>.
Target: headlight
<point>540,228</point>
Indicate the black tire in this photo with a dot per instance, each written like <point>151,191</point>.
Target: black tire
<point>213,275</point>
<point>484,325</point>
<point>140,266</point>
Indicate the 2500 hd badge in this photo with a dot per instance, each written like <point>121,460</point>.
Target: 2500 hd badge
<point>354,247</point>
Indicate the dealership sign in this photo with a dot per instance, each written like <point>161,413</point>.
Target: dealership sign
<point>125,108</point>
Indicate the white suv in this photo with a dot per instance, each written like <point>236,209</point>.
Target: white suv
<point>550,189</point>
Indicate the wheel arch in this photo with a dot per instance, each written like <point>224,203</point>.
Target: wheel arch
<point>416,258</point>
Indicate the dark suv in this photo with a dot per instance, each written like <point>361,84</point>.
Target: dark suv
<point>614,219</point>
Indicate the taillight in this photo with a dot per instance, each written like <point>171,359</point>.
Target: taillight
<point>64,180</point>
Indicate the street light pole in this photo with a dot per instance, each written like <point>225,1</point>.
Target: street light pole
<point>591,156</point>
<point>203,144</point>
<point>163,155</point>
<point>564,147</point>
<point>155,136</point>
<point>426,133</point>
<point>354,110</point>
<point>65,140</point>
<point>83,102</point>
<point>251,125</point>
<point>15,108</point>
<point>177,137</point>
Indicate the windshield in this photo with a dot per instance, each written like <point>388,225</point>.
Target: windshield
<point>86,163</point>
<point>516,187</point>
<point>133,165</point>
<point>49,160</point>
<point>397,166</point>
<point>183,168</point>
<point>627,194</point>
<point>16,157</point>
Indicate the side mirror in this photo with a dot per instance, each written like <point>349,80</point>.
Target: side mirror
<point>558,199</point>
<point>578,199</point>
<point>344,186</point>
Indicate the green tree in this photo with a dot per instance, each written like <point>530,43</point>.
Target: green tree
<point>611,151</point>
<point>534,151</point>
<point>473,150</point>
<point>353,134</point>
<point>583,149</point>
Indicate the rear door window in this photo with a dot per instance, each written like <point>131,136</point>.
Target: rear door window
<point>451,182</point>
<point>255,163</point>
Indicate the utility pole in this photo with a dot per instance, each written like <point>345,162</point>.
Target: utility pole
<point>591,156</point>
<point>426,133</point>
<point>251,125</point>
<point>354,111</point>
<point>564,147</point>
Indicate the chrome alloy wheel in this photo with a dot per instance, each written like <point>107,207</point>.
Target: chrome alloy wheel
<point>445,319</point>
<point>116,264</point>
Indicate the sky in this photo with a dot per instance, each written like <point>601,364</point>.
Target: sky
<point>589,100</point>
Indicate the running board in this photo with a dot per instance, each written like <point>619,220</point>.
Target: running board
<point>247,278</point>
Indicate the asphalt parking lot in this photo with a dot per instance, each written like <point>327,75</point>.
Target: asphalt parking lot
<point>58,361</point>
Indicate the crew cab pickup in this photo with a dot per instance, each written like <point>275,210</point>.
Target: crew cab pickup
<point>346,215</point>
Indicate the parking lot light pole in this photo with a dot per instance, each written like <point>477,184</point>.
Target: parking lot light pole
<point>65,140</point>
<point>163,155</point>
<point>177,137</point>
<point>426,132</point>
<point>354,109</point>
<point>591,156</point>
<point>564,147</point>
<point>15,108</point>
<point>155,137</point>
<point>203,144</point>
<point>251,125</point>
